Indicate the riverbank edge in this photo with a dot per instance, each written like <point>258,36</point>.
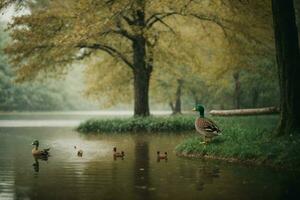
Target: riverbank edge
<point>248,162</point>
<point>288,160</point>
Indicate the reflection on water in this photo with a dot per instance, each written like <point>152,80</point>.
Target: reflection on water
<point>206,173</point>
<point>96,175</point>
<point>36,164</point>
<point>141,168</point>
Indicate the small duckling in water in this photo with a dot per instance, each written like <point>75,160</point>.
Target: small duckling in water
<point>80,153</point>
<point>162,156</point>
<point>118,154</point>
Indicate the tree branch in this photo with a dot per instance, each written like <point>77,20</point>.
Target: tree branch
<point>121,32</point>
<point>110,50</point>
<point>158,17</point>
<point>164,23</point>
<point>128,20</point>
<point>213,19</point>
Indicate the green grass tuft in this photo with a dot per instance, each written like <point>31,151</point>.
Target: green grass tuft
<point>138,124</point>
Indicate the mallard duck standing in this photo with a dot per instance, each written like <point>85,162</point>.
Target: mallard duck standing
<point>36,152</point>
<point>206,127</point>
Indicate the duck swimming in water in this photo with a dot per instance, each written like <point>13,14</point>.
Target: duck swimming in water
<point>162,156</point>
<point>36,152</point>
<point>118,154</point>
<point>80,153</point>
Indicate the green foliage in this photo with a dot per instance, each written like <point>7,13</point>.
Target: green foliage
<point>260,88</point>
<point>186,38</point>
<point>248,138</point>
<point>138,124</point>
<point>37,95</point>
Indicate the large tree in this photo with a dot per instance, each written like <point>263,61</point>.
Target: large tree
<point>58,33</point>
<point>287,52</point>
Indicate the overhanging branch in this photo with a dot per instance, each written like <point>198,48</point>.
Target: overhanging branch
<point>158,17</point>
<point>110,50</point>
<point>121,32</point>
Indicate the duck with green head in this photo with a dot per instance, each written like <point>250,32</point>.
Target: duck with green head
<point>206,127</point>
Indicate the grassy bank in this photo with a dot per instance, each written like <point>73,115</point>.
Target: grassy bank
<point>149,124</point>
<point>249,140</point>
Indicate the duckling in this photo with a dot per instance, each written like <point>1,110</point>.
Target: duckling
<point>39,153</point>
<point>118,154</point>
<point>162,156</point>
<point>80,153</point>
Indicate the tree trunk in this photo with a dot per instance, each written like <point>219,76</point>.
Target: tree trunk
<point>195,96</point>
<point>287,54</point>
<point>141,90</point>
<point>141,74</point>
<point>177,108</point>
<point>297,9</point>
<point>142,64</point>
<point>237,90</point>
<point>172,107</point>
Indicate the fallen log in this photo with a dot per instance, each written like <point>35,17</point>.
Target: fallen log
<point>245,112</point>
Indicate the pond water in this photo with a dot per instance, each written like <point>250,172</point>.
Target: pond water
<point>96,175</point>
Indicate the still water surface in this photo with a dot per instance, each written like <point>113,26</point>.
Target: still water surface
<point>97,175</point>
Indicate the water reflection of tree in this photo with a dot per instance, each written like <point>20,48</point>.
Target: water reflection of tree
<point>141,168</point>
<point>201,174</point>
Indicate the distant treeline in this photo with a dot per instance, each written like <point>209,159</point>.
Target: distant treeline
<point>38,95</point>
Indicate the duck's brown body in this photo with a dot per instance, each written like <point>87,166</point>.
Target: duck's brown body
<point>206,127</point>
<point>36,152</point>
